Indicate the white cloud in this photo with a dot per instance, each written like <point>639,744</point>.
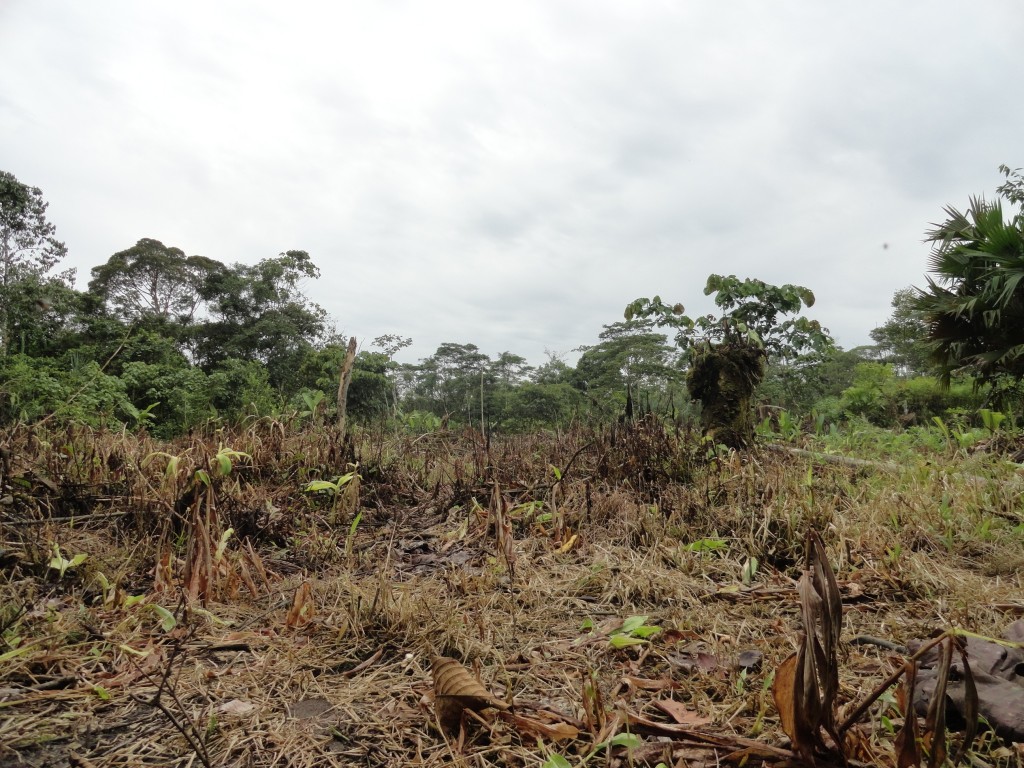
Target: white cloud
<point>512,175</point>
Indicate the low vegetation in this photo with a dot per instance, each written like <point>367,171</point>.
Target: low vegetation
<point>266,596</point>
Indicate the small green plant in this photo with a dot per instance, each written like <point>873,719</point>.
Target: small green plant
<point>957,437</point>
<point>141,418</point>
<point>421,422</point>
<point>762,708</point>
<point>530,511</point>
<point>750,568</point>
<point>819,423</point>
<point>225,458</point>
<point>892,555</point>
<point>62,565</point>
<point>634,631</point>
<point>350,539</point>
<point>702,546</point>
<point>312,399</point>
<point>627,740</point>
<point>740,685</point>
<point>991,420</point>
<point>789,428</point>
<point>173,464</point>
<point>332,487</point>
<point>948,535</point>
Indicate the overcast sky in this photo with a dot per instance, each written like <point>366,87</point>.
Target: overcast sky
<point>513,174</point>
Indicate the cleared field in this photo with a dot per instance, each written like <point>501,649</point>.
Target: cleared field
<point>271,598</point>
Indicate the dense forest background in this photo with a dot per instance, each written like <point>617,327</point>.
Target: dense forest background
<point>169,342</point>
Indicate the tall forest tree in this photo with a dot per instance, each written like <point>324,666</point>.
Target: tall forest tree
<point>630,358</point>
<point>153,280</point>
<point>448,383</point>
<point>974,300</point>
<point>903,339</point>
<point>29,249</point>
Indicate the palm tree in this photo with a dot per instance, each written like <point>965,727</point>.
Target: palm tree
<point>974,306</point>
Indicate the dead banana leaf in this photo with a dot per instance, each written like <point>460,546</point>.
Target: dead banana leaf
<point>807,683</point>
<point>935,720</point>
<point>908,747</point>
<point>455,690</point>
<point>788,679</point>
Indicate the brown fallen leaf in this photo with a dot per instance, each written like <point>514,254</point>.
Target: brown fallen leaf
<point>907,742</point>
<point>302,609</point>
<point>783,693</point>
<point>528,726</point>
<point>679,712</point>
<point>236,707</point>
<point>456,690</point>
<point>648,684</point>
<point>640,724</point>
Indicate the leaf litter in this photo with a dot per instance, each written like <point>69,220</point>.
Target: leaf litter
<point>481,614</point>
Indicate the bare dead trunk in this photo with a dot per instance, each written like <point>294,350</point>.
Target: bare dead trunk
<point>346,378</point>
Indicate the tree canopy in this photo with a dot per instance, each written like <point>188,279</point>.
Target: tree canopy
<point>152,279</point>
<point>903,339</point>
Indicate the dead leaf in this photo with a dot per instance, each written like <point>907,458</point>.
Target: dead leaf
<point>907,744</point>
<point>640,724</point>
<point>455,690</point>
<point>782,692</point>
<point>673,636</point>
<point>647,684</point>
<point>302,609</point>
<point>236,707</point>
<point>680,714</point>
<point>528,726</point>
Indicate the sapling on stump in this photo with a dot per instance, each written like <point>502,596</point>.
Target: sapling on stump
<point>727,355</point>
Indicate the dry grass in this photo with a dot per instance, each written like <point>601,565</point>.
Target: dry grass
<point>640,523</point>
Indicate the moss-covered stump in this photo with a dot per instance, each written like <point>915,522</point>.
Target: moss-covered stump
<point>723,377</point>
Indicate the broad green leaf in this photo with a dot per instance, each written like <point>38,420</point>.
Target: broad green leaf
<point>321,485</point>
<point>645,631</point>
<point>623,641</point>
<point>632,623</point>
<point>628,740</point>
<point>355,524</point>
<point>223,464</point>
<point>167,620</point>
<point>15,652</point>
